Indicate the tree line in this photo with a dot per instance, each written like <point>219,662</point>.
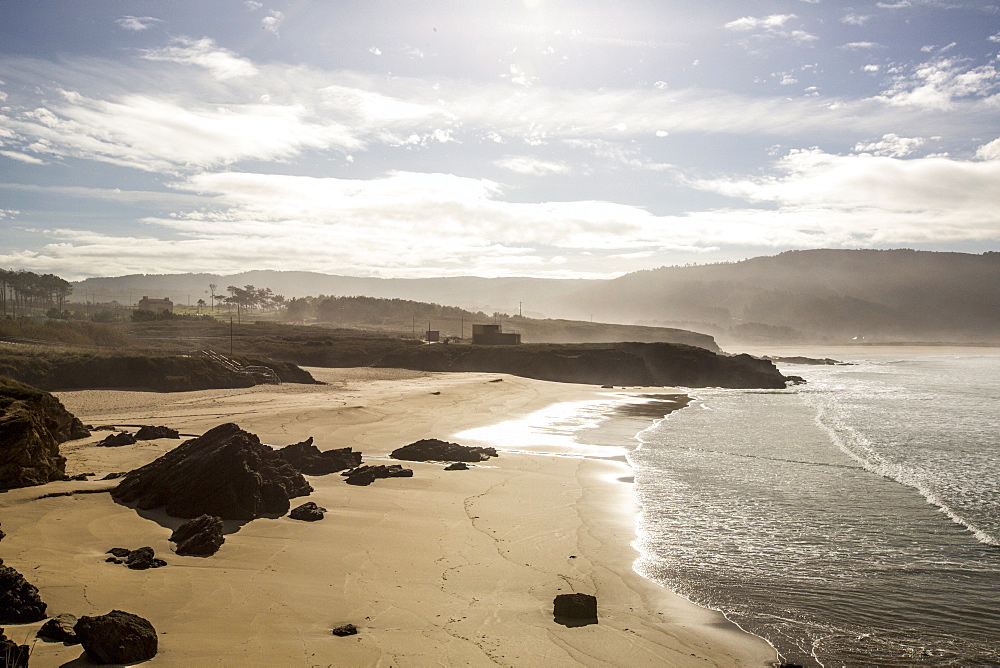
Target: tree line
<point>24,292</point>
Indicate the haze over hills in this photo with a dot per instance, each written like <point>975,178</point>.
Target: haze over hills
<point>814,295</point>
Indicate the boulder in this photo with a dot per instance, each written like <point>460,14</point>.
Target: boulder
<point>201,537</point>
<point>143,558</point>
<point>117,440</point>
<point>307,458</point>
<point>345,630</point>
<point>433,449</point>
<point>308,512</point>
<point>366,475</point>
<point>115,475</point>
<point>149,433</point>
<point>60,629</point>
<point>117,637</point>
<point>32,425</point>
<point>227,472</point>
<point>19,600</point>
<point>576,607</point>
<point>13,655</point>
<point>457,466</point>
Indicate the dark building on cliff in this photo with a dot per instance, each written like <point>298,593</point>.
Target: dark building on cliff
<point>492,335</point>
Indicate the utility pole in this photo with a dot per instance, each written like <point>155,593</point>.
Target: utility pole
<point>519,309</point>
<point>230,336</point>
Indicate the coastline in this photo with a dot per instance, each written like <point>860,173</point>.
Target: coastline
<point>459,567</point>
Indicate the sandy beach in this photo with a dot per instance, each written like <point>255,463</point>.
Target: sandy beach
<point>444,568</point>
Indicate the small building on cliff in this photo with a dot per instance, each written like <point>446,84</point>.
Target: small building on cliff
<point>155,305</point>
<point>492,335</point>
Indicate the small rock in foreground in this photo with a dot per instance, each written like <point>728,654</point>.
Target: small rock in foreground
<point>366,475</point>
<point>137,560</point>
<point>457,466</point>
<point>60,629</point>
<point>19,599</point>
<point>307,512</point>
<point>575,607</point>
<point>345,630</point>
<point>201,537</point>
<point>117,637</point>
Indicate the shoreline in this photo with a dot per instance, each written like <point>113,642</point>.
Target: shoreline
<point>458,566</point>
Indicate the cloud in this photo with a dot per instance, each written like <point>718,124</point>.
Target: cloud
<point>272,21</point>
<point>532,166</point>
<point>136,23</point>
<point>941,83</point>
<point>222,63</point>
<point>875,199</point>
<point>22,157</point>
<point>995,37</point>
<point>772,22</point>
<point>853,19</point>
<point>859,46</point>
<point>990,151</point>
<point>253,5</point>
<point>902,4</point>
<point>374,50</point>
<point>890,145</point>
<point>768,28</point>
<point>154,134</point>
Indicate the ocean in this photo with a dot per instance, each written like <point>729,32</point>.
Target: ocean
<point>854,520</point>
<point>850,521</point>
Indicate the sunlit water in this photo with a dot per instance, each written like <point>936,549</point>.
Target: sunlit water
<point>851,521</point>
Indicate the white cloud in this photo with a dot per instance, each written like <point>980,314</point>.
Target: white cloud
<point>875,199</point>
<point>995,37</point>
<point>136,23</point>
<point>871,68</point>
<point>768,28</point>
<point>374,50</point>
<point>771,22</point>
<point>940,83</point>
<point>990,151</point>
<point>890,145</point>
<point>853,19</point>
<point>253,5</point>
<point>902,4</point>
<point>272,21</point>
<point>222,63</point>
<point>859,46</point>
<point>532,166</point>
<point>22,157</point>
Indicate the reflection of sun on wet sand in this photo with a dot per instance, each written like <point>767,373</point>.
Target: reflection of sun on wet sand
<point>446,567</point>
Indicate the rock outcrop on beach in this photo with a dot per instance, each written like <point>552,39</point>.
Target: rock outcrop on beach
<point>201,537</point>
<point>32,425</point>
<point>308,512</point>
<point>597,364</point>
<point>307,458</point>
<point>575,607</point>
<point>457,466</point>
<point>432,449</point>
<point>60,629</point>
<point>345,630</point>
<point>366,475</point>
<point>227,472</point>
<point>138,560</point>
<point>149,433</point>
<point>19,599</point>
<point>116,440</point>
<point>117,637</point>
<point>13,655</point>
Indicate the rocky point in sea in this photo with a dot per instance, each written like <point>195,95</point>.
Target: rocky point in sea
<point>227,472</point>
<point>32,425</point>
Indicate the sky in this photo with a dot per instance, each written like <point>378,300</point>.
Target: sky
<point>541,138</point>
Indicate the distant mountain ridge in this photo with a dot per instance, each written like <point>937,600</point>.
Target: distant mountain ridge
<point>811,295</point>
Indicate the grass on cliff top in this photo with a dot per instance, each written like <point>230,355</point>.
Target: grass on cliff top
<point>67,332</point>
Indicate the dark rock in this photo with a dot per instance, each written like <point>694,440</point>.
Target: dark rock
<point>434,449</point>
<point>13,655</point>
<point>2,534</point>
<point>32,425</point>
<point>226,472</point>
<point>457,466</point>
<point>307,458</point>
<point>79,477</point>
<point>361,476</point>
<point>795,380</point>
<point>117,440</point>
<point>141,559</point>
<point>148,433</point>
<point>19,600</point>
<point>115,475</point>
<point>117,637</point>
<point>119,552</point>
<point>60,628</point>
<point>104,427</point>
<point>345,630</point>
<point>578,607</point>
<point>201,537</point>
<point>307,512</point>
